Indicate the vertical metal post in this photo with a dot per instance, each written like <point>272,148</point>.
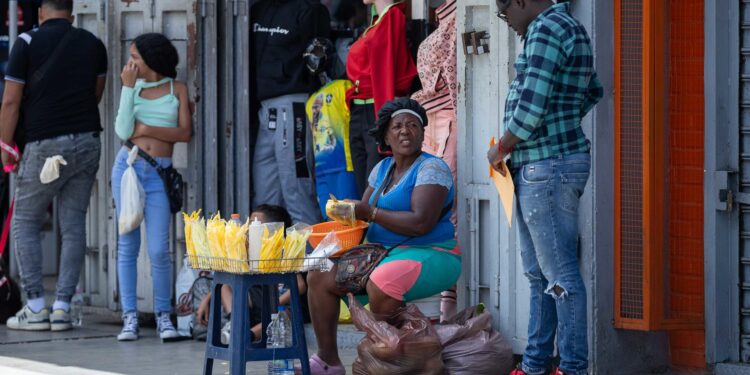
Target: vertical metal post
<point>725,240</point>
<point>12,23</point>
<point>12,36</point>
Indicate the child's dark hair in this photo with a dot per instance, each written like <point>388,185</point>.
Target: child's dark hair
<point>158,53</point>
<point>275,213</point>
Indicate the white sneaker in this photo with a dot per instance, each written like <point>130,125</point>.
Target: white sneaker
<point>164,327</point>
<point>129,327</point>
<point>28,320</point>
<point>60,320</point>
<point>226,333</point>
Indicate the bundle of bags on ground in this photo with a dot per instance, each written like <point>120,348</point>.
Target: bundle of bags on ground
<point>471,346</point>
<point>407,343</point>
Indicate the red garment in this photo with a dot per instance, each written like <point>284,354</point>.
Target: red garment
<point>379,63</point>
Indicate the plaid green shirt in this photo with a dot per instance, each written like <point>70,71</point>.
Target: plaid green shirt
<point>555,86</point>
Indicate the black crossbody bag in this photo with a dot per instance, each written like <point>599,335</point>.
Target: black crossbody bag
<point>172,180</point>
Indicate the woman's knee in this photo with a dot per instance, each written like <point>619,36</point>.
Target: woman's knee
<point>374,293</point>
<point>381,304</point>
<point>159,256</point>
<point>128,245</point>
<point>321,282</point>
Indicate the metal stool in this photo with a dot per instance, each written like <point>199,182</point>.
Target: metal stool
<point>240,349</point>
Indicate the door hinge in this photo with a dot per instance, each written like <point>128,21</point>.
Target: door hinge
<point>497,291</point>
<point>205,8</point>
<point>239,7</point>
<point>102,11</point>
<point>103,257</point>
<point>727,196</point>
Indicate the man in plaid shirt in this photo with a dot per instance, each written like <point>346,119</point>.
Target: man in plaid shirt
<point>555,86</point>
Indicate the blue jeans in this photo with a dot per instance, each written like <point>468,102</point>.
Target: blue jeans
<point>73,191</point>
<point>547,196</point>
<point>156,219</point>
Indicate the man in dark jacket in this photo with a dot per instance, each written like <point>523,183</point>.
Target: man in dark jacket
<point>61,125</point>
<point>282,163</point>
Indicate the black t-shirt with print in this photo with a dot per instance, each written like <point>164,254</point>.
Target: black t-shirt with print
<point>64,101</point>
<point>281,31</point>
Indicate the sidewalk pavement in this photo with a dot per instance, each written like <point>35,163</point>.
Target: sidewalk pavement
<point>93,350</point>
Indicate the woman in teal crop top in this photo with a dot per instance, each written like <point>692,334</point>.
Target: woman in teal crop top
<point>154,115</point>
<point>154,109</point>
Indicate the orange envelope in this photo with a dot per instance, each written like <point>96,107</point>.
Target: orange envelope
<point>505,188</point>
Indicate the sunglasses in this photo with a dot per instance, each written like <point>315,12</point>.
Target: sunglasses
<point>502,8</point>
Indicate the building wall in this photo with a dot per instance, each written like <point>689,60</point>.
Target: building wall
<point>686,163</point>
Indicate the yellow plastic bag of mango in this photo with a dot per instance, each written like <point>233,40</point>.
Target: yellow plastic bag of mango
<point>235,245</point>
<point>271,247</point>
<point>294,247</point>
<point>341,212</point>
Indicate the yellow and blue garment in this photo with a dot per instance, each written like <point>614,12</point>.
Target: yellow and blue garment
<point>329,116</point>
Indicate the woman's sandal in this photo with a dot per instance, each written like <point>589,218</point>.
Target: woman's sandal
<point>318,367</point>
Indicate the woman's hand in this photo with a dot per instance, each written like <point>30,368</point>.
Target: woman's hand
<point>362,210</point>
<point>129,74</point>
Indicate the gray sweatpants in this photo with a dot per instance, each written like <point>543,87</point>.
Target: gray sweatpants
<point>282,164</point>
<point>73,189</point>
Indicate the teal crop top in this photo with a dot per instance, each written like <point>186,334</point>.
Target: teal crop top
<point>162,111</point>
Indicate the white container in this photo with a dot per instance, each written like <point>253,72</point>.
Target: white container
<point>254,243</point>
<point>429,306</point>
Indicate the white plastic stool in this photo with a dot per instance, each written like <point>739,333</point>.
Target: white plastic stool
<point>429,306</point>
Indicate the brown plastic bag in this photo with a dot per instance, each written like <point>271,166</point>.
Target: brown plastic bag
<point>410,346</point>
<point>472,347</point>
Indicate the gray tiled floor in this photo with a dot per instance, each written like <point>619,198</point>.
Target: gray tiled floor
<point>94,347</point>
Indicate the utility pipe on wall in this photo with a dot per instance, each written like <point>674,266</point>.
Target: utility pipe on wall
<point>12,23</point>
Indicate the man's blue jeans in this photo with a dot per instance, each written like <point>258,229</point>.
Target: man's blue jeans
<point>157,218</point>
<point>73,191</point>
<point>547,196</point>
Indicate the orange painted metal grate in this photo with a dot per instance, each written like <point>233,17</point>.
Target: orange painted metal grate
<point>631,159</point>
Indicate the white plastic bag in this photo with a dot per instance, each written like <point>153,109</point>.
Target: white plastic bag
<point>183,291</point>
<point>132,197</point>
<point>51,170</point>
<point>318,259</point>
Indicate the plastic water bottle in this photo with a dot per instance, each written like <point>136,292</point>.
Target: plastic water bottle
<point>76,308</point>
<point>273,342</point>
<point>279,336</point>
<point>285,327</point>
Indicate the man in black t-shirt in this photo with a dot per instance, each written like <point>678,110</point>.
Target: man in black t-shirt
<point>55,79</point>
<point>283,158</point>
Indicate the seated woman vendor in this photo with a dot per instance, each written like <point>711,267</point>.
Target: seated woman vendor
<point>400,204</point>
